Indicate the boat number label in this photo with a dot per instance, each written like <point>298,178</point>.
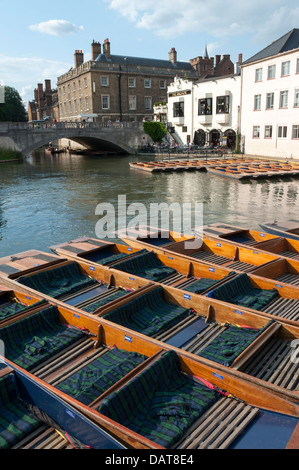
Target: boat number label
<point>169,257</point>
<point>70,413</point>
<point>212,270</point>
<point>239,311</point>
<point>218,376</point>
<point>132,278</point>
<point>129,249</point>
<point>128,338</point>
<point>218,244</point>
<point>255,252</point>
<point>277,285</point>
<point>262,234</point>
<point>187,296</point>
<point>92,268</point>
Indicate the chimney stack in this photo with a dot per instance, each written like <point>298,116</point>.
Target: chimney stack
<point>106,48</point>
<point>96,50</point>
<point>240,59</point>
<point>48,86</point>
<point>79,58</point>
<point>217,57</point>
<point>40,94</point>
<point>173,55</point>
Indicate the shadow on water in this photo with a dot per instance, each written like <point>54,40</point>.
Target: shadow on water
<point>50,199</point>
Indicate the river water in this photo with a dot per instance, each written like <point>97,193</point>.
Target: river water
<point>47,200</point>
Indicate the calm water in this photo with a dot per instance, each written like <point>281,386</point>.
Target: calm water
<point>52,199</point>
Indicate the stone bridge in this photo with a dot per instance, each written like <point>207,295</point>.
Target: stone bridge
<point>117,138</point>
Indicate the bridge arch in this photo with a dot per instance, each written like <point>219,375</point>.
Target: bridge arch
<point>123,138</point>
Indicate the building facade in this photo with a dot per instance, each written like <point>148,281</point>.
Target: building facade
<point>115,87</point>
<point>207,111</point>
<point>270,99</point>
<point>44,104</point>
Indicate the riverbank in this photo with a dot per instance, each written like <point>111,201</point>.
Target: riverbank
<point>9,155</point>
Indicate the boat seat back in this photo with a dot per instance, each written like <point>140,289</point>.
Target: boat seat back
<point>58,281</point>
<point>146,265</point>
<point>16,422</point>
<point>240,291</point>
<point>231,343</point>
<point>148,313</point>
<point>36,338</point>
<point>160,403</point>
<point>96,377</point>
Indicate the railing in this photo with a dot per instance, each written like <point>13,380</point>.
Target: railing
<point>8,126</point>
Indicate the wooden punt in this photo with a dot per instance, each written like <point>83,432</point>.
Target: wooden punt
<point>236,406</point>
<point>175,271</point>
<point>281,246</point>
<point>208,250</point>
<point>282,228</point>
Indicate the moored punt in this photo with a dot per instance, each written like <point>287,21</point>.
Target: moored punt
<point>235,234</point>
<point>282,228</point>
<point>281,246</point>
<point>14,303</point>
<point>123,366</point>
<point>208,250</point>
<point>158,266</point>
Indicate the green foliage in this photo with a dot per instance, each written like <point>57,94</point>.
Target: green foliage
<point>10,154</point>
<point>12,110</point>
<point>156,130</point>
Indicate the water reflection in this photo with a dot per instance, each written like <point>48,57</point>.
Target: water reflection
<point>50,199</point>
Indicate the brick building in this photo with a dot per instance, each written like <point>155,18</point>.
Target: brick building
<point>45,103</point>
<point>117,87</point>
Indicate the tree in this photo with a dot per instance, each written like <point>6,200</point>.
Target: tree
<point>13,108</point>
<point>156,130</point>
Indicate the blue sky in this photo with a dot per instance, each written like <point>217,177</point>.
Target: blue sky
<point>38,38</point>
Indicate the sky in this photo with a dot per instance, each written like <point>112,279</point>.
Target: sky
<point>38,39</point>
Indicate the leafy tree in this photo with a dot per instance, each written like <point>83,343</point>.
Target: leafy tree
<point>156,130</point>
<point>13,108</point>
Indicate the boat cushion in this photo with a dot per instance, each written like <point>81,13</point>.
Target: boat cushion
<point>58,281</point>
<point>16,422</point>
<point>160,403</point>
<point>203,284</point>
<point>10,306</point>
<point>146,265</point>
<point>36,338</point>
<point>95,378</point>
<point>104,256</point>
<point>240,291</point>
<point>105,300</point>
<point>231,343</point>
<point>148,314</point>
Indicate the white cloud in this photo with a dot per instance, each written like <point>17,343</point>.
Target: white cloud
<point>23,73</point>
<point>56,27</point>
<point>264,21</point>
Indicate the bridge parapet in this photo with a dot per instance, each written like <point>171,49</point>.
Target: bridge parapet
<point>9,126</point>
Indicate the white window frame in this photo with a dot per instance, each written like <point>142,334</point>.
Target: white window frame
<point>147,99</point>
<point>296,98</point>
<point>132,102</point>
<point>285,68</point>
<point>257,102</point>
<point>131,82</point>
<point>268,131</point>
<point>86,103</point>
<point>256,132</point>
<point>271,72</point>
<point>295,130</point>
<point>85,82</point>
<point>259,74</point>
<point>270,100</point>
<point>282,131</point>
<point>103,99</point>
<point>283,99</point>
<point>162,84</point>
<point>147,83</point>
<point>104,80</point>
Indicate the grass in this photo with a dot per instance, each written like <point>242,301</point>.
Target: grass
<point>9,154</point>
